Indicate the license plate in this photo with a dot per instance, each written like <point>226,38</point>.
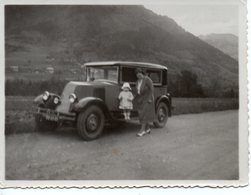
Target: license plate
<point>51,116</point>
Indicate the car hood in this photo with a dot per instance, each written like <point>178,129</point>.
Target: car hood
<point>81,90</point>
<point>75,86</point>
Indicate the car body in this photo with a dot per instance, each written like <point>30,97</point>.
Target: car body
<point>89,104</point>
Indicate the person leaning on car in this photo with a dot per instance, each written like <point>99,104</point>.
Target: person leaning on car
<point>144,101</point>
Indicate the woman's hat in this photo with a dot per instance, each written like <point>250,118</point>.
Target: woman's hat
<point>126,85</point>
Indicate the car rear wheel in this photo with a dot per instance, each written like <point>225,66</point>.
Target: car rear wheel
<point>90,123</point>
<point>161,115</point>
<point>44,125</point>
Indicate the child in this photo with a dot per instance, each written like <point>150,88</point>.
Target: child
<point>126,98</point>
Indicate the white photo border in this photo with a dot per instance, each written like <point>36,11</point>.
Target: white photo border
<point>243,109</point>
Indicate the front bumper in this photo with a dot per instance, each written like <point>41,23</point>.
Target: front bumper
<point>53,115</point>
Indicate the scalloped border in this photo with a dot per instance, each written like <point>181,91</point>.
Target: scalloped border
<point>129,184</point>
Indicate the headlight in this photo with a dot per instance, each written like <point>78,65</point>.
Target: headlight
<point>46,95</point>
<point>56,100</point>
<point>72,98</point>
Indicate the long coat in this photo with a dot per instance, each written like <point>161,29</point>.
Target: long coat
<point>144,100</point>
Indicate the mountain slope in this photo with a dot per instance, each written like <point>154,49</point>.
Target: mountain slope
<point>70,35</point>
<point>227,43</point>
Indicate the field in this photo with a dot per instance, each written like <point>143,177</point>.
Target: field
<point>19,117</point>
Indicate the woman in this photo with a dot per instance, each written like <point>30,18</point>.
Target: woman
<point>144,101</point>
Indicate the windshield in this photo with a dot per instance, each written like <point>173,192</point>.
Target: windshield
<point>102,73</point>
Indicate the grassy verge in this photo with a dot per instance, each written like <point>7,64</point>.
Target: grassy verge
<point>19,122</point>
<point>19,117</point>
<point>199,105</point>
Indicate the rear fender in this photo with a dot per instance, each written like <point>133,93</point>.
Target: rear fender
<point>166,99</point>
<point>82,104</point>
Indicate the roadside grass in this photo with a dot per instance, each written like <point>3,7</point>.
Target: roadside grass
<point>19,122</point>
<point>19,113</point>
<point>18,103</point>
<point>199,105</point>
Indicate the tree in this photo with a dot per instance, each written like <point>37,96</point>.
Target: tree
<point>186,85</point>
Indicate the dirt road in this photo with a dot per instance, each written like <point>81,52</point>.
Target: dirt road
<point>195,146</point>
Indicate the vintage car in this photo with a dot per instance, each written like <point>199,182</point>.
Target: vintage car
<point>90,104</point>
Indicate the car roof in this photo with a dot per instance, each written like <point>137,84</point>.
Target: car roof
<point>134,64</point>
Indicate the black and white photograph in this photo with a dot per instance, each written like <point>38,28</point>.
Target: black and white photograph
<point>131,92</point>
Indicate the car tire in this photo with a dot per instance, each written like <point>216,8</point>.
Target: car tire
<point>41,124</point>
<point>161,115</point>
<point>90,123</point>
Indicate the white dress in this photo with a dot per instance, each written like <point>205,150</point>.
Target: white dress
<point>126,98</point>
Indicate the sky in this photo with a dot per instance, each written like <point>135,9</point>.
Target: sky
<point>201,19</point>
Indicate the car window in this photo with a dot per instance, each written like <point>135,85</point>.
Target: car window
<point>128,75</point>
<point>102,73</point>
<point>155,75</point>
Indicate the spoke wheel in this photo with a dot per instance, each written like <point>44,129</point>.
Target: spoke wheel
<point>161,115</point>
<point>90,123</point>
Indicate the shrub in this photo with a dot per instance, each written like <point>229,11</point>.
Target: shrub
<point>19,87</point>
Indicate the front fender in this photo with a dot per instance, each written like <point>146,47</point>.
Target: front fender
<point>168,100</point>
<point>83,103</point>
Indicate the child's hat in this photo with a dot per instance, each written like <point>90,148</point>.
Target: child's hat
<point>126,85</point>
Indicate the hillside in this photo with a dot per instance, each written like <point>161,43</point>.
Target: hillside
<point>227,43</point>
<point>65,36</point>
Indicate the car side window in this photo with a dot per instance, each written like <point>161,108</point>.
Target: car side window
<point>155,76</point>
<point>128,75</point>
<point>102,72</point>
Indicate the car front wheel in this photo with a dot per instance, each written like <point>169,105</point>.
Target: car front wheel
<point>90,123</point>
<point>161,115</point>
